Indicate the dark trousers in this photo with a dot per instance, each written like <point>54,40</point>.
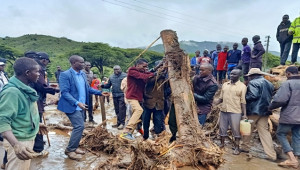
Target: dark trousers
<point>295,51</point>
<point>245,68</point>
<point>172,123</point>
<point>77,121</point>
<point>90,109</point>
<point>256,65</point>
<point>120,109</point>
<point>39,141</point>
<point>215,72</point>
<point>158,121</point>
<point>202,119</point>
<point>284,51</point>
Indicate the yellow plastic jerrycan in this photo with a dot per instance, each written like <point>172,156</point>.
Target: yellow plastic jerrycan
<point>245,127</point>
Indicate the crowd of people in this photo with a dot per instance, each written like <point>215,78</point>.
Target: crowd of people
<point>141,93</point>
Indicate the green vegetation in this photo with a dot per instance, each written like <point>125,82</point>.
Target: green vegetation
<point>102,56</point>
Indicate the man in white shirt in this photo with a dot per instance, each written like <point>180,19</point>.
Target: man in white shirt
<point>3,76</point>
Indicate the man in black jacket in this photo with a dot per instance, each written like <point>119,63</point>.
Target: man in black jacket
<point>287,97</point>
<point>118,95</point>
<point>284,39</point>
<point>258,97</point>
<point>205,87</point>
<point>42,88</point>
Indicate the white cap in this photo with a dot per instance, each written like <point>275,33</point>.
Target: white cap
<point>2,63</point>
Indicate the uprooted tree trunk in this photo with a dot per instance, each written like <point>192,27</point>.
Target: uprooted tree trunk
<point>197,148</point>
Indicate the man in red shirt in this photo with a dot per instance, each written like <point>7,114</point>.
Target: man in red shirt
<point>136,81</point>
<point>222,66</point>
<point>205,59</point>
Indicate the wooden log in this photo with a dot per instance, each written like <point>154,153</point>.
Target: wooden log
<point>197,148</point>
<point>179,75</point>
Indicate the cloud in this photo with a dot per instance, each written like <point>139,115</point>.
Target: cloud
<point>135,23</point>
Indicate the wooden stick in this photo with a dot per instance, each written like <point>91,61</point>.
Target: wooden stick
<point>142,52</point>
<point>47,133</point>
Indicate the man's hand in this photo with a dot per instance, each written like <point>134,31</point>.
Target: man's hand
<point>83,106</point>
<point>244,117</point>
<point>43,129</point>
<point>253,56</point>
<point>23,152</point>
<point>291,32</point>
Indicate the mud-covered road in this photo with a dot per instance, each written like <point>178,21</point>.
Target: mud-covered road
<point>57,160</point>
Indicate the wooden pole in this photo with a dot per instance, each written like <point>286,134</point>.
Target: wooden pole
<point>196,146</point>
<point>103,114</point>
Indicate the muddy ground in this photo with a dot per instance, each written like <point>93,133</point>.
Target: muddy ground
<point>57,160</point>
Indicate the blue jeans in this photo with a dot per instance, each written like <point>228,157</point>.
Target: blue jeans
<point>282,131</point>
<point>295,51</point>
<point>77,120</point>
<point>215,72</point>
<point>158,121</point>
<point>230,68</point>
<point>202,118</point>
<point>284,51</point>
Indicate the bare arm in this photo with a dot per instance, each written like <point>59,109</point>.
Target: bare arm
<point>21,151</point>
<point>244,112</point>
<point>10,137</point>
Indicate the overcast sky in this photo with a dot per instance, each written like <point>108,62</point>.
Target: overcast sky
<point>136,23</point>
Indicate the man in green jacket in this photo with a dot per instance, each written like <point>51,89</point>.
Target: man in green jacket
<point>295,31</point>
<point>19,117</point>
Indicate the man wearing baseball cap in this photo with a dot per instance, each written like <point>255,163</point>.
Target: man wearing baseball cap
<point>42,88</point>
<point>258,97</point>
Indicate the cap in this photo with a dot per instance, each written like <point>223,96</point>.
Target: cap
<point>30,54</point>
<point>43,55</point>
<point>2,63</point>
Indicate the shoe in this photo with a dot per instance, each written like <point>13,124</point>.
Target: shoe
<point>244,150</point>
<point>73,155</point>
<point>92,122</point>
<point>120,127</point>
<point>115,125</point>
<point>40,154</point>
<point>287,163</point>
<point>127,136</point>
<point>79,151</point>
<point>3,166</point>
<point>236,151</point>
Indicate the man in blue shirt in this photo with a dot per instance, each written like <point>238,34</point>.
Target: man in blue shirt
<point>214,59</point>
<point>233,58</point>
<point>74,101</point>
<point>194,61</point>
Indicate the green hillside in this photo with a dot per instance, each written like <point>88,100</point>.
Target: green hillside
<point>52,45</point>
<point>101,55</point>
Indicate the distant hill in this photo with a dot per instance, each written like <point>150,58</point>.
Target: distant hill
<point>192,46</point>
<point>52,45</point>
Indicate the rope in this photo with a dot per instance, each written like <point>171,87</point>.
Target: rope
<point>142,52</point>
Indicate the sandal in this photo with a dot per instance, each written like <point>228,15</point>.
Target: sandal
<point>287,163</point>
